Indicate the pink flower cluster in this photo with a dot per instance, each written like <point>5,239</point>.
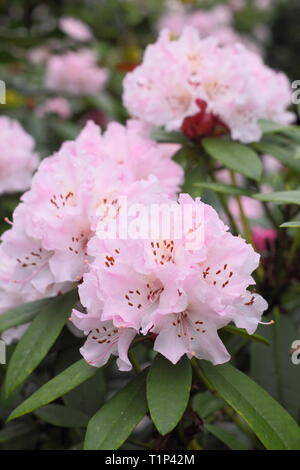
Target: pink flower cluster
<point>76,73</point>
<point>46,248</point>
<point>17,157</point>
<point>180,296</point>
<point>191,77</point>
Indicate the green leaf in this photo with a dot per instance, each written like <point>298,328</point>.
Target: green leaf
<point>168,391</point>
<point>224,188</point>
<point>271,127</point>
<point>13,430</point>
<point>22,314</point>
<point>271,423</point>
<point>206,404</point>
<point>284,153</point>
<point>37,341</point>
<point>235,156</point>
<point>291,224</point>
<point>114,422</point>
<point>67,380</point>
<point>64,416</point>
<point>168,137</point>
<point>194,171</point>
<point>226,437</point>
<point>276,373</point>
<point>89,396</point>
<point>240,332</point>
<point>280,197</point>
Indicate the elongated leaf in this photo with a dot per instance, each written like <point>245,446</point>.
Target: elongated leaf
<point>235,156</point>
<point>168,391</point>
<point>13,430</point>
<point>240,332</point>
<point>206,404</point>
<point>64,416</point>
<point>226,437</point>
<point>271,423</point>
<point>67,380</point>
<point>292,224</point>
<point>115,421</point>
<point>37,341</point>
<point>170,137</point>
<point>271,127</point>
<point>89,396</point>
<point>276,372</point>
<point>285,154</point>
<point>280,197</point>
<point>22,314</point>
<point>224,188</point>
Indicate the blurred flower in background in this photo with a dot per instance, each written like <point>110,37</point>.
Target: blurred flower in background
<point>76,29</point>
<point>18,159</point>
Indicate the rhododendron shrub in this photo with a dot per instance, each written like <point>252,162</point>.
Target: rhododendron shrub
<point>149,274</point>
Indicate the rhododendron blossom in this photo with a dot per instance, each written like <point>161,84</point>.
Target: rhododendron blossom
<point>227,87</point>
<point>75,73</point>
<point>159,286</point>
<point>18,159</point>
<point>55,220</point>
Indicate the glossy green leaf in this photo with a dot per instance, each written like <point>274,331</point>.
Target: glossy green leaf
<point>168,391</point>
<point>206,404</point>
<point>266,417</point>
<point>89,396</point>
<point>284,153</point>
<point>280,197</point>
<point>272,367</point>
<point>37,340</point>
<point>224,188</point>
<point>114,422</point>
<point>291,224</point>
<point>22,314</point>
<point>240,332</point>
<point>168,137</point>
<point>64,416</point>
<point>235,156</point>
<point>63,383</point>
<point>271,127</point>
<point>226,437</point>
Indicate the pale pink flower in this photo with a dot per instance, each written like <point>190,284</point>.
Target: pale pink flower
<point>228,86</point>
<point>75,28</point>
<point>104,340</point>
<point>18,159</point>
<point>57,105</point>
<point>76,73</point>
